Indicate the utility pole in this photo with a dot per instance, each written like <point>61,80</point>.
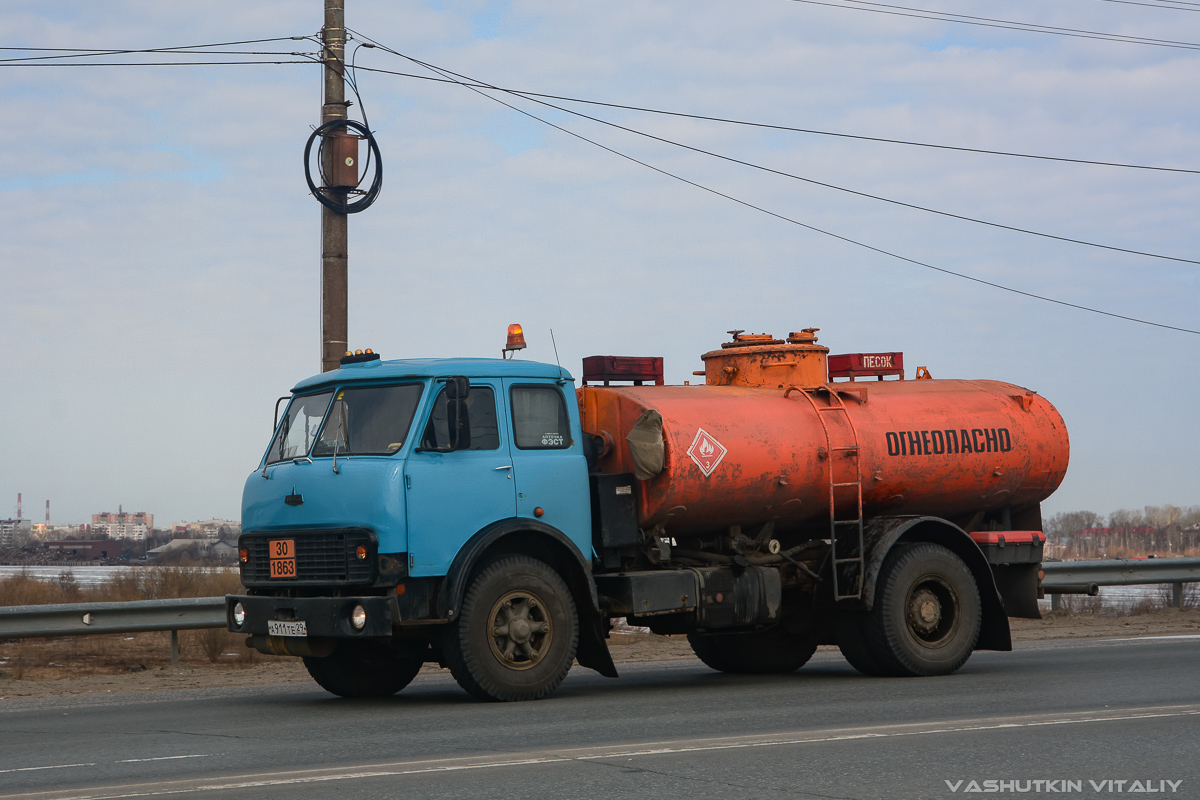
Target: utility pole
<point>334,239</point>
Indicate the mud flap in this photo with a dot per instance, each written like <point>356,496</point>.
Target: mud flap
<point>592,651</point>
<point>1018,587</point>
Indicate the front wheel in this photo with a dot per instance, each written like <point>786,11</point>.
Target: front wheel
<point>925,620</point>
<point>364,669</point>
<point>516,636</point>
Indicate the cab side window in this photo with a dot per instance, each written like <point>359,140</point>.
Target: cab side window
<point>481,407</point>
<point>540,420</point>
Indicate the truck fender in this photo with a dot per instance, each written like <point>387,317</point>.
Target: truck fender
<point>882,533</point>
<point>546,543</point>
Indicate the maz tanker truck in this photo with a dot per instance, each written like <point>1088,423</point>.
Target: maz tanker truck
<point>486,515</point>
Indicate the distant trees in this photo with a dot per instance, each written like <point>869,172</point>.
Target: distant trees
<point>1059,526</point>
<point>1154,529</point>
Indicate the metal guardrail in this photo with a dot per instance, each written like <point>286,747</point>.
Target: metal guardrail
<point>79,619</point>
<point>192,613</point>
<point>1085,577</point>
<point>1123,571</point>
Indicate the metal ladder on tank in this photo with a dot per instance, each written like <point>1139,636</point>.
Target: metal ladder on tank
<point>847,569</point>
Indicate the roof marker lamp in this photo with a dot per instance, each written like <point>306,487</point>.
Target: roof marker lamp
<point>516,340</point>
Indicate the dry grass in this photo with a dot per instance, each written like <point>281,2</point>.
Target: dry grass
<point>135,583</point>
<point>70,656</point>
<point>1160,598</point>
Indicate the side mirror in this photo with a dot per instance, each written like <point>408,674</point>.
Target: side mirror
<point>458,418</point>
<point>277,402</point>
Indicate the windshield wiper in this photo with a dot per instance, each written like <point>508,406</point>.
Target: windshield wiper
<point>278,440</point>
<point>344,432</point>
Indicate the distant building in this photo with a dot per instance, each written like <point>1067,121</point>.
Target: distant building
<point>12,531</point>
<point>133,525</point>
<point>207,529</point>
<point>87,549</point>
<point>223,551</point>
<point>124,518</point>
<point>177,547</point>
<point>212,528</point>
<point>122,530</point>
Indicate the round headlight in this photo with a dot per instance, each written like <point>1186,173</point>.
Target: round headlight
<point>239,614</point>
<point>358,618</point>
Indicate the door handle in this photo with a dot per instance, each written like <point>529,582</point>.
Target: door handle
<point>506,466</point>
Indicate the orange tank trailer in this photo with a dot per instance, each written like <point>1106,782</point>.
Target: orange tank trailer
<point>768,433</point>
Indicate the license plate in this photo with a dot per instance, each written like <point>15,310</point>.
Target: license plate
<point>277,627</point>
<point>282,554</point>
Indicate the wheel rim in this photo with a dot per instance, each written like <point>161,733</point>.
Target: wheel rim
<point>932,612</point>
<point>520,630</point>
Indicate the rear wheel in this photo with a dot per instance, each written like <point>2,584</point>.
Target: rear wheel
<point>771,651</point>
<point>364,669</point>
<point>517,633</point>
<point>925,620</point>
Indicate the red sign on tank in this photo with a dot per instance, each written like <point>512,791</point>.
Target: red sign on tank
<point>706,451</point>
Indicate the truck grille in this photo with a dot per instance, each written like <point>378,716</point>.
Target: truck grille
<point>323,557</point>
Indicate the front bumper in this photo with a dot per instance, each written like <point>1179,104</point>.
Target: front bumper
<point>325,617</point>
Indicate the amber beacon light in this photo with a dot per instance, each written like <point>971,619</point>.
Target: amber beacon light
<point>516,340</point>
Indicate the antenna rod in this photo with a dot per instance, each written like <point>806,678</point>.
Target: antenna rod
<point>556,361</point>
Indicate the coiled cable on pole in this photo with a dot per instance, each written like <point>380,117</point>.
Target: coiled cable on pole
<point>335,199</point>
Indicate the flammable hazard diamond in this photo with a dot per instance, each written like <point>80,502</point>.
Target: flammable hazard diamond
<point>706,451</point>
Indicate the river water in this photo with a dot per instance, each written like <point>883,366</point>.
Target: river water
<point>84,576</point>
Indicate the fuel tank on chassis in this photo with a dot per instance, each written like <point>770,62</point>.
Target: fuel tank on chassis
<point>748,454</point>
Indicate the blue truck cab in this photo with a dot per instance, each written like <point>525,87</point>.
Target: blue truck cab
<point>386,488</point>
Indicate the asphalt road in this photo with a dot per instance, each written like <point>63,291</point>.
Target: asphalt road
<point>1094,711</point>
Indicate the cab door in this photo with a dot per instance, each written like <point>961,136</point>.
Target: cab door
<point>547,458</point>
<point>451,496</point>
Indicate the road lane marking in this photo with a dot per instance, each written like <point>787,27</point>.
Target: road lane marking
<point>51,766</point>
<point>1159,638</point>
<point>393,769</point>
<point>96,763</point>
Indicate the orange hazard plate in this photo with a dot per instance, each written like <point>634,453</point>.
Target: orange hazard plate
<point>283,557</point>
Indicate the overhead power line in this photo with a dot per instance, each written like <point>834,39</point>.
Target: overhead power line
<point>813,181</point>
<point>868,195</point>
<point>62,54</point>
<point>769,126</point>
<point>38,60</point>
<point>153,49</point>
<point>623,106</point>
<point>1175,7</point>
<point>162,63</point>
<point>988,22</point>
<point>474,84</point>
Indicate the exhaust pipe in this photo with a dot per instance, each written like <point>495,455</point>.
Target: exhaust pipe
<point>1090,589</point>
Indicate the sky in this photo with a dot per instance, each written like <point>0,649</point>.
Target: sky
<point>159,250</point>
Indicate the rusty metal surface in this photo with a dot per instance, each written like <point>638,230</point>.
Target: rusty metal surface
<point>758,359</point>
<point>343,173</point>
<point>933,447</point>
<point>866,365</point>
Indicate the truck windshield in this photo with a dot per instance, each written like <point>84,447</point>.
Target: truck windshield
<point>369,420</point>
<point>298,430</point>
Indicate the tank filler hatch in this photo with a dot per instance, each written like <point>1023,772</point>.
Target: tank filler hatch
<point>761,360</point>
